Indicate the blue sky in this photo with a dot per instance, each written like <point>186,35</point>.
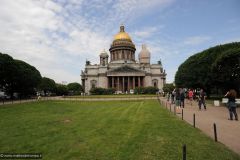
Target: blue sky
<point>58,36</point>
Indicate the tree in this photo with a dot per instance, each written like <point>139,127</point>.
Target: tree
<point>27,78</point>
<point>74,88</point>
<point>17,76</point>
<point>7,71</point>
<point>168,87</point>
<point>226,70</point>
<point>61,89</point>
<point>199,70</point>
<point>47,85</point>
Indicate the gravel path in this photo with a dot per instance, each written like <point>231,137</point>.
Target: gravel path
<point>228,132</point>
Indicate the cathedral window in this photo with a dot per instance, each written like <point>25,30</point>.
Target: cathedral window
<point>155,83</point>
<point>103,61</point>
<point>93,83</point>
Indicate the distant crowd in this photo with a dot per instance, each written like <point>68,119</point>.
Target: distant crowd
<point>178,96</point>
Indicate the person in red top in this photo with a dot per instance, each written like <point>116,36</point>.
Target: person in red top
<point>190,96</point>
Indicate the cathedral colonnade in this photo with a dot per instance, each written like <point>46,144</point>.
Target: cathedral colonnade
<point>125,83</point>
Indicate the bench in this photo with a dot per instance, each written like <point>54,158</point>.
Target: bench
<point>225,100</point>
<point>238,101</point>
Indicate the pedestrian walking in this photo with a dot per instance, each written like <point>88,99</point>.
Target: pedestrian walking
<point>190,96</point>
<point>182,98</point>
<point>173,93</point>
<point>201,99</point>
<point>168,96</point>
<point>177,94</point>
<point>231,95</point>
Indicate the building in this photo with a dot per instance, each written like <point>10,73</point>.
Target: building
<point>121,70</point>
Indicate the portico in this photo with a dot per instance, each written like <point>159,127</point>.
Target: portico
<point>125,83</point>
<point>125,78</point>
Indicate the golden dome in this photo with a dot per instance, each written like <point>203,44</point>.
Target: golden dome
<point>122,35</point>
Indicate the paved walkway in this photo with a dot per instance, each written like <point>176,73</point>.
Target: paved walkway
<point>228,132</point>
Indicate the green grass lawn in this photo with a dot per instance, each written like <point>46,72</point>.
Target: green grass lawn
<point>121,130</point>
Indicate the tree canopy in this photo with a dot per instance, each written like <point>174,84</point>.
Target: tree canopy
<point>215,67</point>
<point>27,78</point>
<point>168,87</point>
<point>7,70</point>
<point>47,85</point>
<point>61,89</point>
<point>17,76</point>
<point>74,88</point>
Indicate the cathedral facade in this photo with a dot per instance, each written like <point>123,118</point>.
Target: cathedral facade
<point>121,70</point>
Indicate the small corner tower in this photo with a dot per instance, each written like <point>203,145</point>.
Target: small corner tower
<point>103,58</point>
<point>144,55</point>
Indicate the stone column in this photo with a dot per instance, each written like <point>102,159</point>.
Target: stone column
<point>118,83</point>
<point>133,82</point>
<point>143,82</point>
<point>112,82</point>
<point>128,84</point>
<point>123,85</point>
<point>139,82</point>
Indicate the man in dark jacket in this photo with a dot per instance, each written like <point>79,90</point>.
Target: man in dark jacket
<point>182,97</point>
<point>201,99</point>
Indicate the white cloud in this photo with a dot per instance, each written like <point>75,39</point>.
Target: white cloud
<point>146,32</point>
<point>58,36</point>
<point>196,40</point>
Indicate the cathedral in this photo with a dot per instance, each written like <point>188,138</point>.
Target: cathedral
<point>122,71</point>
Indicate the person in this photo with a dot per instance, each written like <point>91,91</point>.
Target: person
<point>190,96</point>
<point>231,95</point>
<point>177,97</point>
<point>173,96</point>
<point>182,97</point>
<point>168,96</point>
<point>201,99</point>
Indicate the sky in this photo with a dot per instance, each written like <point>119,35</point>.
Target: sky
<point>58,36</point>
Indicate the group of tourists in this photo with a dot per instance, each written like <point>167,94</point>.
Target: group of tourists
<point>178,95</point>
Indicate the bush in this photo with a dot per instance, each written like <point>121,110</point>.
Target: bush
<point>168,87</point>
<point>61,89</point>
<point>146,90</point>
<point>102,91</point>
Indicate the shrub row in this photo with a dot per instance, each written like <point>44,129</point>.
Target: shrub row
<point>102,91</point>
<point>146,90</point>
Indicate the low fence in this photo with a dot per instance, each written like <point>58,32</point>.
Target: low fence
<point>15,101</point>
<point>169,106</point>
<point>87,98</point>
